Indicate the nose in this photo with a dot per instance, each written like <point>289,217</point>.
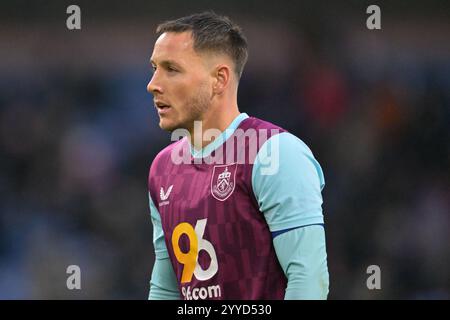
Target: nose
<point>153,87</point>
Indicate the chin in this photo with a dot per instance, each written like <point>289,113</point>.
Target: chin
<point>167,125</point>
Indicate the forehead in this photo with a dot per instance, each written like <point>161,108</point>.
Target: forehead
<point>171,45</point>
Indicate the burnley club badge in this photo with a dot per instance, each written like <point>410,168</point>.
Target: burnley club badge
<point>223,181</point>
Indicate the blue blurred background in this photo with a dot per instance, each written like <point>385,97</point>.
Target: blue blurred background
<point>78,132</point>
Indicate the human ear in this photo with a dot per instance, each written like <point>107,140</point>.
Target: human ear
<point>222,78</point>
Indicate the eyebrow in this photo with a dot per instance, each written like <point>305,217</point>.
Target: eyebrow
<point>166,63</point>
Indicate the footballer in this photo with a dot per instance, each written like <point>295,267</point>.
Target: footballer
<point>236,206</point>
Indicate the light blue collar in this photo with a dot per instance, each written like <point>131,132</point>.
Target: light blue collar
<point>206,151</point>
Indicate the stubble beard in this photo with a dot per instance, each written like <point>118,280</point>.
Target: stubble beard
<point>194,110</point>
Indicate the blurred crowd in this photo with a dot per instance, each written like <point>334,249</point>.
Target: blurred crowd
<point>76,145</point>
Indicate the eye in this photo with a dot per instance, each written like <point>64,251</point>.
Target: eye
<point>171,69</point>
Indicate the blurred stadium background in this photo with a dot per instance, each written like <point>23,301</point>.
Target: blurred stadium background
<point>78,132</point>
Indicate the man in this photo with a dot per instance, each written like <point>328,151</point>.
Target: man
<point>238,217</point>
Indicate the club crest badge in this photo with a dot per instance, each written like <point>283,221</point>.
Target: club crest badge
<point>223,181</point>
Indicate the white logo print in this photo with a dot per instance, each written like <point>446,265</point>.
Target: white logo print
<point>223,181</point>
<point>165,195</point>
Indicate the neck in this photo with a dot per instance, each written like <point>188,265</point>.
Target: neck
<point>214,119</point>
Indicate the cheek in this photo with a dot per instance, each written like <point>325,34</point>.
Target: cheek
<point>185,91</point>
<point>187,87</point>
<point>179,90</point>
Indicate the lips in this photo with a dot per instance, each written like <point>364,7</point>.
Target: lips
<point>162,107</point>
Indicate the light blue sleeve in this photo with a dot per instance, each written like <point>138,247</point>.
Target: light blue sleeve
<point>163,283</point>
<point>303,258</point>
<point>158,233</point>
<point>287,182</point>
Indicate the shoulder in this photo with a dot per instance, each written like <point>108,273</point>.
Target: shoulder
<point>286,146</point>
<point>163,158</point>
<point>166,153</point>
<point>256,123</point>
<point>286,138</point>
<point>287,182</point>
<point>285,156</point>
<point>292,144</point>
